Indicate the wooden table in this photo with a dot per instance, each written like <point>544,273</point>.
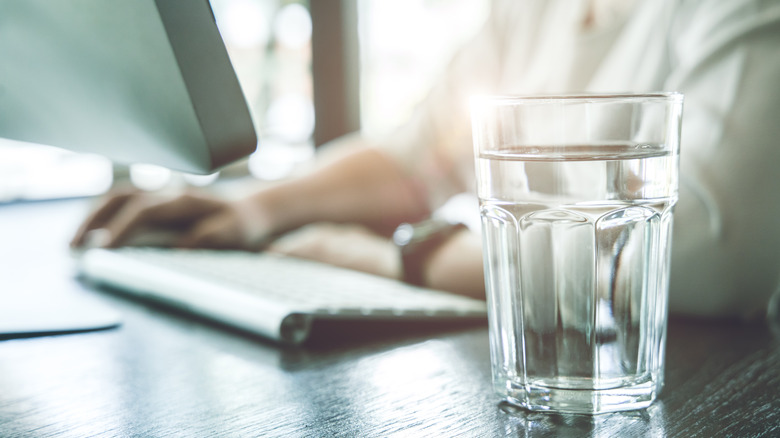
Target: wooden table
<point>167,374</point>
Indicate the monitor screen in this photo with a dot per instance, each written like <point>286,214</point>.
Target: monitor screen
<point>141,81</point>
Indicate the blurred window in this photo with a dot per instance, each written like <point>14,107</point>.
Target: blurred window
<point>404,47</point>
<point>33,173</point>
<point>269,43</point>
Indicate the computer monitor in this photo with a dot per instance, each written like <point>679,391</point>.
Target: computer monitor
<point>137,81</point>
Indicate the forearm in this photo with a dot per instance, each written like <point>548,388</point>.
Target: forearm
<point>363,186</point>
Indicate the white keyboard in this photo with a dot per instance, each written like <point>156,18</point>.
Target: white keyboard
<point>271,295</point>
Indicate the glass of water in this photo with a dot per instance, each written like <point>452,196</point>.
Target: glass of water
<point>576,198</point>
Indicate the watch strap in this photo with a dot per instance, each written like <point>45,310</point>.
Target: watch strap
<point>418,241</point>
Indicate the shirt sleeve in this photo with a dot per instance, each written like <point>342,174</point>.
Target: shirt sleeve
<point>726,247</point>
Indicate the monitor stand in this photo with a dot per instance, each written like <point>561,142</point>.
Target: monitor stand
<point>39,294</point>
<point>65,309</point>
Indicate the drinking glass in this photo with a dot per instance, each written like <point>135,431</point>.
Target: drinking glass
<point>576,199</point>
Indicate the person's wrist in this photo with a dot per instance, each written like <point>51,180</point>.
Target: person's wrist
<point>457,265</point>
<point>255,221</point>
<point>417,243</point>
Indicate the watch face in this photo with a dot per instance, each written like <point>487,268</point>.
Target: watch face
<point>403,235</point>
<point>408,234</point>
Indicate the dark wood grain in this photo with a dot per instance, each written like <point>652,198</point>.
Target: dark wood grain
<point>166,374</point>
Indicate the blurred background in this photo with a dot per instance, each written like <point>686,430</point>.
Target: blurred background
<point>310,70</point>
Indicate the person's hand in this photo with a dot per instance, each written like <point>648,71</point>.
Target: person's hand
<point>186,221</point>
<point>346,245</point>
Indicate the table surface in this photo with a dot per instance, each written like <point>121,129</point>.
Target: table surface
<point>163,373</point>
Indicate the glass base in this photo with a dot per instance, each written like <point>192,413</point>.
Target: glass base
<point>581,401</point>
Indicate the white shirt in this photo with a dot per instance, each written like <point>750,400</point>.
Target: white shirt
<point>724,55</point>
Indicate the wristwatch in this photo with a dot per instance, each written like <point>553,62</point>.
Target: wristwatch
<point>417,241</point>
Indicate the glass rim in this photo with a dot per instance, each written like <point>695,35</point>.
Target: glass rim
<point>520,99</point>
